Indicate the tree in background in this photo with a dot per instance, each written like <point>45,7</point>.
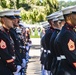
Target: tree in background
<point>40,9</point>
<point>51,5</point>
<point>11,4</point>
<point>17,4</point>
<point>32,10</point>
<point>63,4</point>
<point>3,3</point>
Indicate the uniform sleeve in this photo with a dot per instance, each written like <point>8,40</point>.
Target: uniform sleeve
<point>47,39</point>
<point>6,57</point>
<point>68,42</point>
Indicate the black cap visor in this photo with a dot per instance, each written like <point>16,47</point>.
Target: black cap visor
<point>10,17</point>
<point>17,16</point>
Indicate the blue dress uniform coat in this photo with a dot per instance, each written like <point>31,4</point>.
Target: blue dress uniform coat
<point>66,41</point>
<point>22,48</point>
<point>47,41</point>
<point>43,53</point>
<point>7,65</point>
<point>53,57</point>
<point>17,46</point>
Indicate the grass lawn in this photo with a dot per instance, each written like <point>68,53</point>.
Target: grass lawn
<point>35,34</point>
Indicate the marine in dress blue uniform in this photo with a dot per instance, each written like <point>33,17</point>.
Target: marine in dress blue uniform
<point>21,47</point>
<point>66,41</point>
<point>7,62</point>
<point>47,36</point>
<point>53,58</point>
<point>57,54</point>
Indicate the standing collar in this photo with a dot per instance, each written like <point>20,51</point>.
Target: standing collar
<point>69,25</point>
<point>6,30</point>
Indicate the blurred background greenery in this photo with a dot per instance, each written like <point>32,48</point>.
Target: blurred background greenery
<point>35,11</point>
<point>32,11</point>
<point>35,34</point>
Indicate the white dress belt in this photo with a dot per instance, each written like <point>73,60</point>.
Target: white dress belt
<point>58,58</point>
<point>48,51</point>
<point>62,56</point>
<point>44,50</point>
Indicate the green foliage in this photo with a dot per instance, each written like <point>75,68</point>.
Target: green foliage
<point>3,3</point>
<point>39,3</point>
<point>36,34</point>
<point>25,6</point>
<point>35,10</point>
<point>17,4</point>
<point>11,4</point>
<point>39,10</point>
<point>24,16</point>
<point>63,4</point>
<point>40,17</point>
<point>52,5</point>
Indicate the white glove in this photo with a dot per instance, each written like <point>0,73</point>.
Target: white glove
<point>30,44</point>
<point>23,63</point>
<point>18,69</point>
<point>27,48</point>
<point>15,73</point>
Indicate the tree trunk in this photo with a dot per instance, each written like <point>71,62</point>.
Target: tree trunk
<point>17,4</point>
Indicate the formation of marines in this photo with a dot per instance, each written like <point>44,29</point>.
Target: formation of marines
<point>13,51</point>
<point>58,45</point>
